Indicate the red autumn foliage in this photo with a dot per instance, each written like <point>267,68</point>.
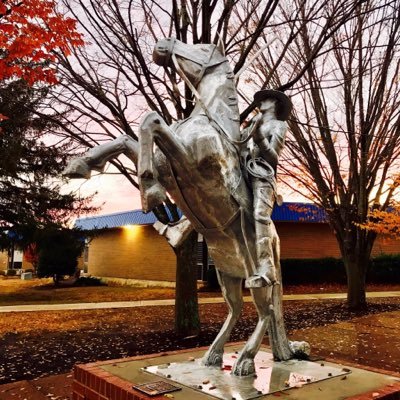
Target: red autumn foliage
<point>31,255</point>
<point>30,31</point>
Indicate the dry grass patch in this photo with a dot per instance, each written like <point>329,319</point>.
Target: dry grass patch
<point>15,291</point>
<point>42,291</point>
<point>37,323</point>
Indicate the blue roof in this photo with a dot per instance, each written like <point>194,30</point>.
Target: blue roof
<point>115,220</point>
<point>299,212</point>
<point>287,212</point>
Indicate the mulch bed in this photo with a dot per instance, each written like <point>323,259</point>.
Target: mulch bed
<point>130,332</point>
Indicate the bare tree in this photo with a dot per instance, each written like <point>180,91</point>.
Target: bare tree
<point>344,147</point>
<point>112,81</point>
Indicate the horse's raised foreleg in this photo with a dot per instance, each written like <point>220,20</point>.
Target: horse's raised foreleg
<point>97,157</point>
<point>244,364</point>
<point>153,126</point>
<point>153,129</point>
<point>232,292</point>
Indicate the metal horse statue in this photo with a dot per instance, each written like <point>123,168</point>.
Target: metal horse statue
<point>196,161</point>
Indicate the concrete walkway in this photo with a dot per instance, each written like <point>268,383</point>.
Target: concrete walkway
<point>170,302</point>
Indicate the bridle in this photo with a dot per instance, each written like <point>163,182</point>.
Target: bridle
<point>171,55</point>
<point>172,51</point>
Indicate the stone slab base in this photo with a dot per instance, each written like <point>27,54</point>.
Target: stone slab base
<point>113,380</point>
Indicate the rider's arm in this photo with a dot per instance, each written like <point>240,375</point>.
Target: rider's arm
<point>271,149</point>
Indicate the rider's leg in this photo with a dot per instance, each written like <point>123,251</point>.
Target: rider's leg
<point>264,197</point>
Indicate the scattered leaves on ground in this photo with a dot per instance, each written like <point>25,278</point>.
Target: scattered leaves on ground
<point>46,343</point>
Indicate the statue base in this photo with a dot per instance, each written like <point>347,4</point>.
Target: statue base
<point>181,376</point>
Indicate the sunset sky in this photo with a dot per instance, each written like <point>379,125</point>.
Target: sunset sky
<point>116,194</point>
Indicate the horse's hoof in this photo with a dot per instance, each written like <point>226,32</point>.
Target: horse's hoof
<point>244,368</point>
<point>212,359</point>
<point>153,195</point>
<point>77,168</point>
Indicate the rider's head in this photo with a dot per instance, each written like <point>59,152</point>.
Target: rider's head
<point>268,105</point>
<point>266,99</point>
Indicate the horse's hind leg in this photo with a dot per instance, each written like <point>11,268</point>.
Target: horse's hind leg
<point>282,348</point>
<point>244,365</point>
<point>276,328</point>
<point>232,292</point>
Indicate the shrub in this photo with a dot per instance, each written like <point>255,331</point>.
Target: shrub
<point>385,269</point>
<point>89,281</point>
<point>382,269</point>
<point>58,251</point>
<point>312,270</point>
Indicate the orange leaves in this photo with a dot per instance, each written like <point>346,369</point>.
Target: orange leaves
<point>384,222</point>
<point>30,31</point>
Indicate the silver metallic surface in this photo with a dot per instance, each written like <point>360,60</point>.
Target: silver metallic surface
<point>196,161</point>
<point>174,233</point>
<point>271,376</point>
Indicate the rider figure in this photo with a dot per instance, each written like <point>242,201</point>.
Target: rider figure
<point>268,129</point>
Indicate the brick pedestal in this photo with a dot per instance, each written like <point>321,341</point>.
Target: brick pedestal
<point>91,382</point>
<point>94,381</point>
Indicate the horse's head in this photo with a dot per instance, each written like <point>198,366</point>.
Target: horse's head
<point>192,59</point>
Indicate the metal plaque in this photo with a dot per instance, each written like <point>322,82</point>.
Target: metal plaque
<point>271,376</point>
<point>156,388</point>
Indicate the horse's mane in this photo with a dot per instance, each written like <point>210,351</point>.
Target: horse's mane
<point>223,106</point>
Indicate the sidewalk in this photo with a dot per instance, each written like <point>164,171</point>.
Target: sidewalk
<point>55,387</point>
<point>170,302</point>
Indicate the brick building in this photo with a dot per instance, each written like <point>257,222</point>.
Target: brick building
<point>13,259</point>
<point>128,247</point>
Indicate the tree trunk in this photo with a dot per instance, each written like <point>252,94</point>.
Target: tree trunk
<point>355,247</point>
<point>56,279</point>
<point>187,321</point>
<point>356,270</point>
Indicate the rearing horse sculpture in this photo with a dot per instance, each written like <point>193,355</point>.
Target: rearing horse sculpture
<point>197,163</point>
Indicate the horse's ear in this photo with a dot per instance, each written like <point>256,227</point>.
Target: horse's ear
<point>220,44</point>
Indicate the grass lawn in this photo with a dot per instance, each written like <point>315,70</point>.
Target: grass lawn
<point>36,344</point>
<point>42,291</point>
<point>14,291</point>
